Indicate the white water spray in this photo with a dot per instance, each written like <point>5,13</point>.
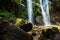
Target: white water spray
<point>45,12</point>
<point>29,7</point>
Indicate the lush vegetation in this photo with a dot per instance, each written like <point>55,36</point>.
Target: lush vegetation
<point>14,9</point>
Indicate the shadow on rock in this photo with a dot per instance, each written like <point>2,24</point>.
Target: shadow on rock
<point>27,27</point>
<point>9,31</point>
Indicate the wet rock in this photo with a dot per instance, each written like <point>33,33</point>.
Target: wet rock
<point>9,31</point>
<point>48,33</point>
<point>56,36</point>
<point>27,27</point>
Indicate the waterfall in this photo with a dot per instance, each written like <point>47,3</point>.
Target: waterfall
<point>29,8</point>
<point>45,12</point>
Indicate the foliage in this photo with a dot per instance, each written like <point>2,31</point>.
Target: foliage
<point>17,1</point>
<point>12,18</point>
<point>55,30</point>
<point>6,15</point>
<point>23,9</point>
<point>22,4</point>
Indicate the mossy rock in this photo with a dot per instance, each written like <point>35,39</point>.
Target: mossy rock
<point>10,31</point>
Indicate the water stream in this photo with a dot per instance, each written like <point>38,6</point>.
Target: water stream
<point>30,13</point>
<point>45,12</point>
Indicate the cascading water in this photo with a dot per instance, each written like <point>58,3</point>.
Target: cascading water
<point>29,7</point>
<point>45,12</point>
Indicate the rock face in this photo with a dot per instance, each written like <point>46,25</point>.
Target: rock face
<point>56,37</point>
<point>9,31</point>
<point>27,27</point>
<point>50,33</point>
<point>55,11</point>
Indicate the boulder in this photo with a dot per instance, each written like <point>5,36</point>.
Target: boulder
<point>27,27</point>
<point>9,31</point>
